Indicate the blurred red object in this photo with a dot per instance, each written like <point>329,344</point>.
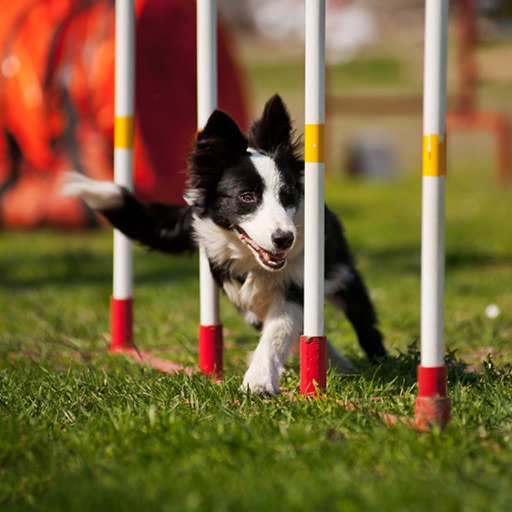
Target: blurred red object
<point>57,102</point>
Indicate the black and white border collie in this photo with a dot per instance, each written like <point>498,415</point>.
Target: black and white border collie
<point>244,199</point>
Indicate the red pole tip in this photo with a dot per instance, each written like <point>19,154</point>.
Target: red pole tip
<point>432,381</point>
<point>433,407</point>
<point>121,324</point>
<point>210,349</point>
<point>432,411</point>
<point>313,364</point>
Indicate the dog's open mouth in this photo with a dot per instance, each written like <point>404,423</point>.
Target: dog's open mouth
<point>271,260</point>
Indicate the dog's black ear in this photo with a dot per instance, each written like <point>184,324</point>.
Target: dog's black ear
<point>222,134</point>
<point>274,129</point>
<point>219,145</point>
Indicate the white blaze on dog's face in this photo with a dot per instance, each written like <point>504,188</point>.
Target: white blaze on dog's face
<point>248,185</point>
<point>268,228</point>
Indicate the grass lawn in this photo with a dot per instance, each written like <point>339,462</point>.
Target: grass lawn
<point>85,431</point>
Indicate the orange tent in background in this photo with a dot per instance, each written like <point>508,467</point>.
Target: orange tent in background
<point>57,102</point>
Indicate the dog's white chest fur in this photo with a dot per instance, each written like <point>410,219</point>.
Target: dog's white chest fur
<point>251,288</point>
<point>245,209</point>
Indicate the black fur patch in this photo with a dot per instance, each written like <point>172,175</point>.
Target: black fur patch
<point>224,185</point>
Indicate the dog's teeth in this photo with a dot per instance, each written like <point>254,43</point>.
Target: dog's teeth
<point>274,261</point>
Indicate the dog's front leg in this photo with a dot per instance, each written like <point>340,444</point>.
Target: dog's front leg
<point>282,327</point>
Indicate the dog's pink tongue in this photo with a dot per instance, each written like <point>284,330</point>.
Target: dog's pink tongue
<point>272,258</point>
<point>266,256</point>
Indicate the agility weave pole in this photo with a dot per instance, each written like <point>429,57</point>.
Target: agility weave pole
<point>313,342</point>
<point>313,357</point>
<point>432,404</point>
<point>121,302</point>
<point>210,328</point>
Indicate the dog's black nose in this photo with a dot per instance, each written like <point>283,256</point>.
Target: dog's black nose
<point>283,240</point>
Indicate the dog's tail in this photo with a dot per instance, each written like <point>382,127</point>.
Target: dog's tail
<point>166,228</point>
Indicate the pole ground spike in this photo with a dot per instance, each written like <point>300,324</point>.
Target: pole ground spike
<point>121,324</point>
<point>433,407</point>
<point>313,365</point>
<point>210,350</point>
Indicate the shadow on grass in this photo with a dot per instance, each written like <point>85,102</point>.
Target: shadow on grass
<point>405,259</point>
<point>91,268</point>
<point>461,259</point>
<point>400,370</point>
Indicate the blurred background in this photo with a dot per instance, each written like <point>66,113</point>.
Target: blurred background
<point>56,90</point>
<point>56,114</point>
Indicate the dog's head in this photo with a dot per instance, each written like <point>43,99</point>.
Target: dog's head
<point>249,184</point>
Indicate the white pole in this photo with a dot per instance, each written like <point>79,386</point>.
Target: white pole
<point>121,315</point>
<point>206,104</point>
<point>210,333</point>
<point>206,60</point>
<point>432,404</point>
<point>313,342</point>
<point>433,184</point>
<point>314,169</point>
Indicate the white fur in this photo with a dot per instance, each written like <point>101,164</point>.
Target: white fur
<point>283,326</point>
<point>261,297</point>
<point>270,216</point>
<point>221,245</point>
<point>99,195</point>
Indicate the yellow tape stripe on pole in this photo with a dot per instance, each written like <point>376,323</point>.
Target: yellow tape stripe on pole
<point>123,132</point>
<point>314,143</point>
<point>434,155</point>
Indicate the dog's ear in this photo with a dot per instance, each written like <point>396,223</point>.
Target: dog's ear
<point>218,145</point>
<point>274,129</point>
<point>222,135</point>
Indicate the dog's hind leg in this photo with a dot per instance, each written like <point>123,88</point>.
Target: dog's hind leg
<point>352,297</point>
<point>337,362</point>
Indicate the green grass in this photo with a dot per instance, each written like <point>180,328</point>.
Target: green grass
<point>110,435</point>
<point>82,430</point>
<point>85,431</point>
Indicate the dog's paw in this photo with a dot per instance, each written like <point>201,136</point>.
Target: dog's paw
<point>260,382</point>
<point>262,389</point>
<point>98,195</point>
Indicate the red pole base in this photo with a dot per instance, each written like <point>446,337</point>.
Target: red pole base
<point>313,364</point>
<point>121,324</point>
<point>210,349</point>
<point>433,407</point>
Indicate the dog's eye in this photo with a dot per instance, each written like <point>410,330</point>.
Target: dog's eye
<point>248,197</point>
